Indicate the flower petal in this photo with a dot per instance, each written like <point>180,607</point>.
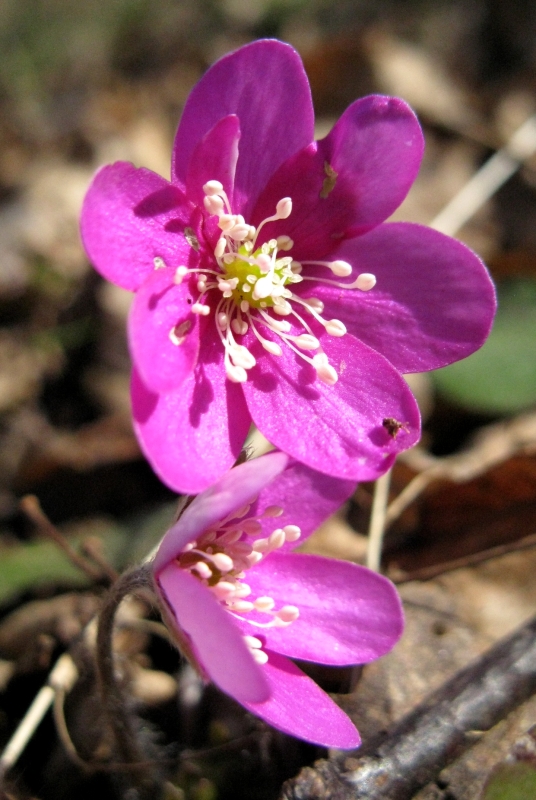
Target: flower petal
<point>299,707</point>
<point>214,159</point>
<point>237,487</point>
<point>334,429</point>
<point>348,182</point>
<point>433,302</point>
<point>265,85</point>
<point>130,217</point>
<point>163,332</point>
<point>216,642</point>
<point>348,614</point>
<point>307,498</point>
<point>192,435</point>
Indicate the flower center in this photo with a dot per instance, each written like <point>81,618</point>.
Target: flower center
<point>254,282</point>
<point>220,558</point>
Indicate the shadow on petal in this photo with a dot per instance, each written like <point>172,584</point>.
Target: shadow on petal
<point>146,401</point>
<point>160,202</point>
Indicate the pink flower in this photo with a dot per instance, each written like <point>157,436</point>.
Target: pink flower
<point>240,601</point>
<point>268,288</point>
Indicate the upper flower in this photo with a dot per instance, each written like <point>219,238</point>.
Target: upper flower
<point>239,601</point>
<point>268,287</point>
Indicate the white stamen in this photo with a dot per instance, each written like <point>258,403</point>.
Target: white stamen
<point>324,370</point>
<point>223,590</point>
<point>253,642</point>
<point>180,272</point>
<point>306,342</point>
<point>222,561</point>
<point>272,347</point>
<point>335,327</point>
<point>259,656</point>
<point>199,308</point>
<point>264,604</point>
<point>288,614</point>
<point>203,570</point>
<point>242,606</point>
<point>219,250</point>
<point>292,533</point>
<point>235,374</point>
<point>272,511</point>
<point>213,204</point>
<point>284,208</point>
<point>242,357</point>
<point>213,187</point>
<point>239,326</point>
<point>159,263</point>
<point>366,281</point>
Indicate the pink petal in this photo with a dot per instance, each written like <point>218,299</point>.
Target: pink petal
<point>348,614</point>
<point>373,153</point>
<point>238,487</point>
<point>161,311</point>
<point>307,498</point>
<point>334,429</point>
<point>191,436</point>
<point>433,302</point>
<point>265,85</point>
<point>216,641</point>
<point>297,706</point>
<point>214,159</point>
<point>130,217</point>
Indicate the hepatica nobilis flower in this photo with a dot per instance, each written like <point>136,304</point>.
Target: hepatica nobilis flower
<point>240,602</point>
<point>269,289</point>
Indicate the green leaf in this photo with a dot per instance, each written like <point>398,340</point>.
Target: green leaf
<point>511,782</point>
<point>42,563</point>
<point>501,377</point>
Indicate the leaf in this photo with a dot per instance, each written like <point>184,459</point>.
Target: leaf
<point>501,377</point>
<point>511,782</point>
<point>40,563</point>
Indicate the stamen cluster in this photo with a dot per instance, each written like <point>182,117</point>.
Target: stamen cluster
<point>220,558</point>
<point>254,282</point>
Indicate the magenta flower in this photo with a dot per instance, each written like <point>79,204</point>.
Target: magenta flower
<point>240,601</point>
<point>268,288</point>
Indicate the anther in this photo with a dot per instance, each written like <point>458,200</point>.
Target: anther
<point>212,187</point>
<point>203,570</point>
<point>199,308</point>
<point>366,281</point>
<point>284,208</point>
<point>324,370</point>
<point>253,642</point>
<point>259,656</point>
<point>180,272</point>
<point>288,614</point>
<point>335,327</point>
<point>306,342</point>
<point>264,604</point>
<point>292,533</point>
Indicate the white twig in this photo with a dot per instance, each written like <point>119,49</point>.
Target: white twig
<point>63,676</point>
<point>377,521</point>
<point>484,183</point>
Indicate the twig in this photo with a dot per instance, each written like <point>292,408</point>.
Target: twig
<point>493,445</point>
<point>31,507</point>
<point>483,185</point>
<point>62,677</point>
<point>92,547</point>
<point>433,734</point>
<point>427,573</point>
<point>377,521</point>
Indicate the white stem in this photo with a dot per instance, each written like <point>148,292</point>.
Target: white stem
<point>377,521</point>
<point>490,177</point>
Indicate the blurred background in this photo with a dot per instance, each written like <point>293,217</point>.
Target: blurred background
<point>83,84</point>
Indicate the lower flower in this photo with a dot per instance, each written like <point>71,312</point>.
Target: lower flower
<point>240,602</point>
